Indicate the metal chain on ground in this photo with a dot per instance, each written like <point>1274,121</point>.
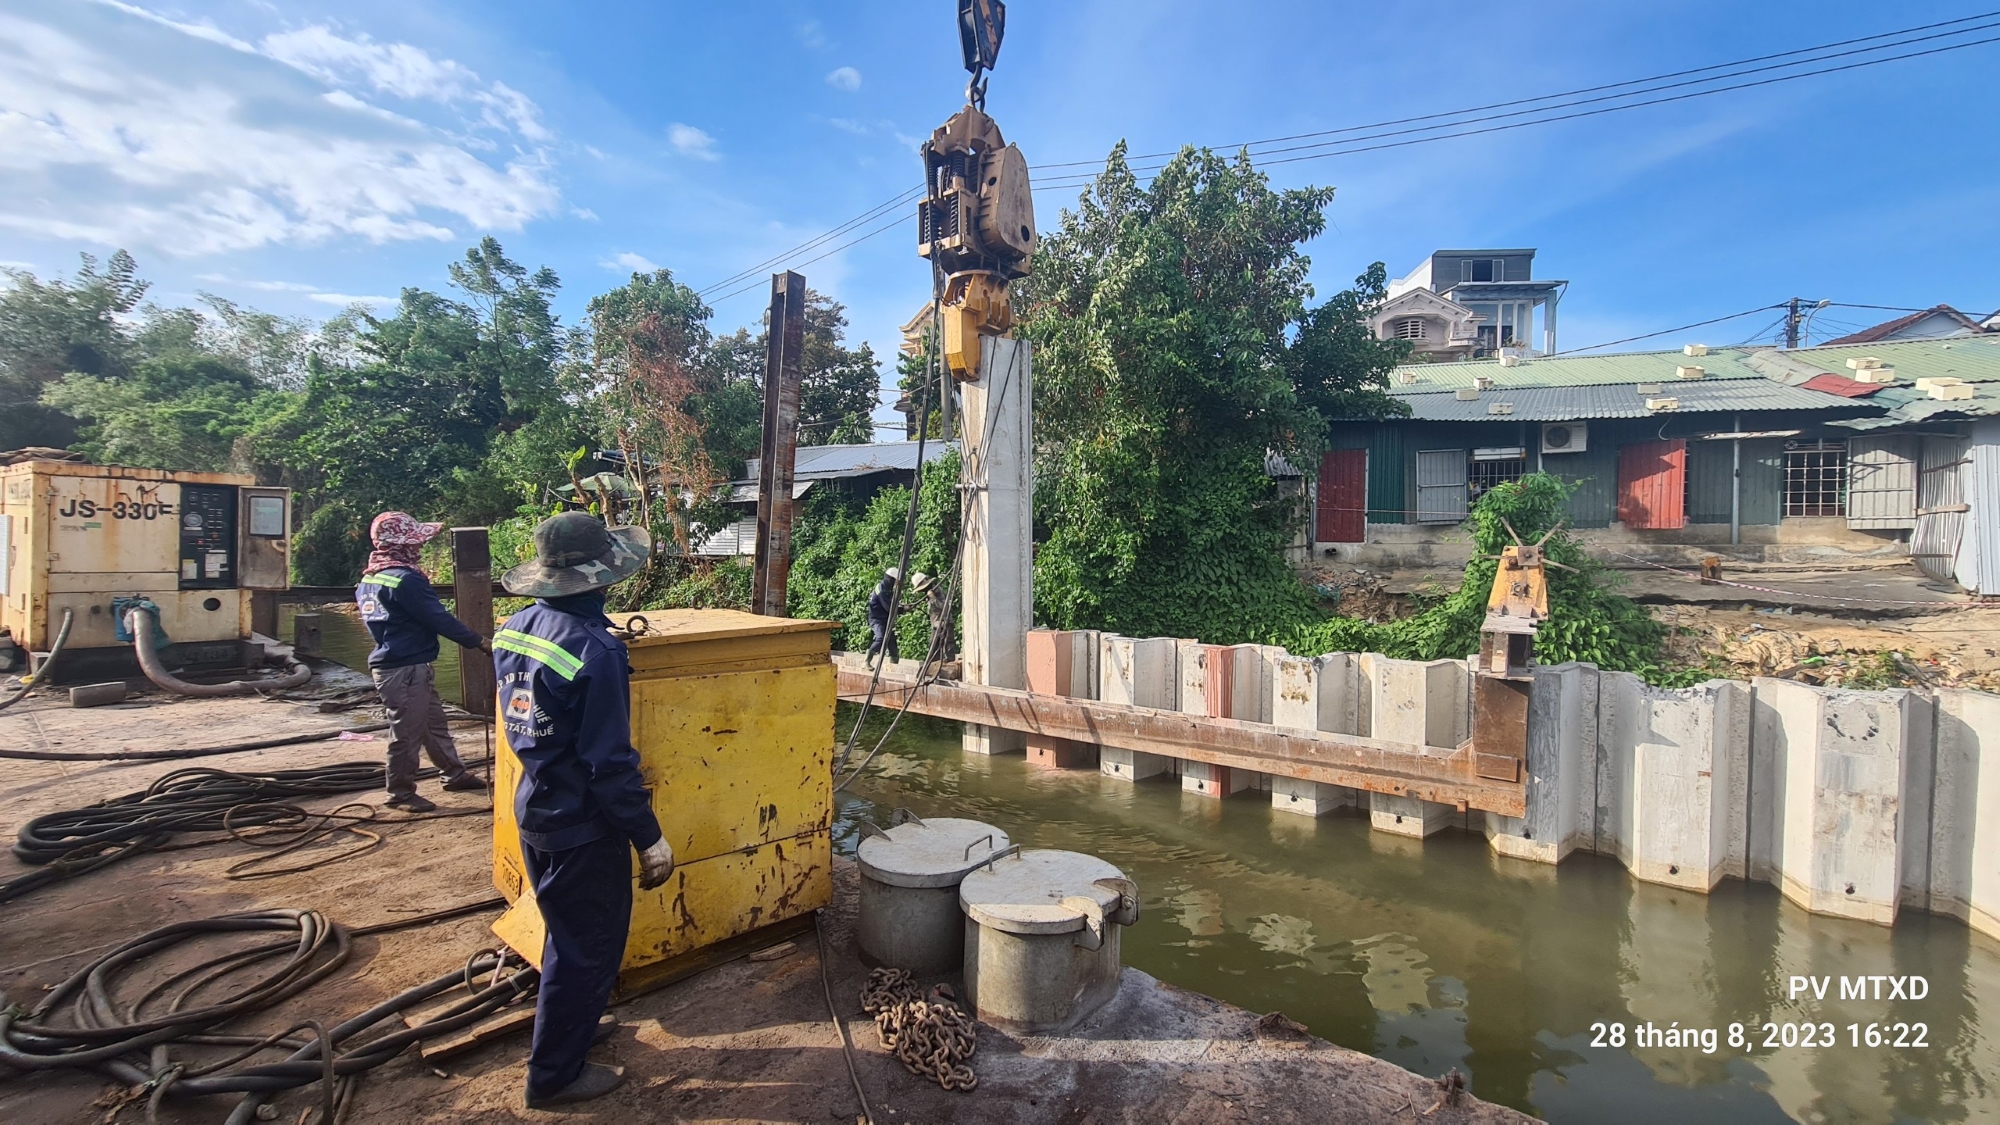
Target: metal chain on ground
<point>929,1034</point>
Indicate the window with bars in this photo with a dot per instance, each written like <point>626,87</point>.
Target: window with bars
<point>1816,478</point>
<point>1484,473</point>
<point>1410,328</point>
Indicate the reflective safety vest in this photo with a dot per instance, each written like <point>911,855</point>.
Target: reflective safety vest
<point>405,617</point>
<point>562,692</point>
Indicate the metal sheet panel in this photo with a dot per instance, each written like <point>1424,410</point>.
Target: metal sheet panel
<point>1709,474</point>
<point>1983,494</point>
<point>1652,477</point>
<point>1388,476</point>
<point>1882,481</point>
<point>1562,404</point>
<point>1937,541</point>
<point>1441,486</point>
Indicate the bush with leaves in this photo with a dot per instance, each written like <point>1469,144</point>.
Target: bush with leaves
<point>841,548</point>
<point>1588,620</point>
<point>1175,351</point>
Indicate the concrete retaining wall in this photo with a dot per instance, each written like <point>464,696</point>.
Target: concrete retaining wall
<point>1858,804</point>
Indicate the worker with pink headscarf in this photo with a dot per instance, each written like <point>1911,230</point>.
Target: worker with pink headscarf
<point>406,618</point>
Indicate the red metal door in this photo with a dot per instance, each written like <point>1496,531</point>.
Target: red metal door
<point>1343,497</point>
<point>1652,482</point>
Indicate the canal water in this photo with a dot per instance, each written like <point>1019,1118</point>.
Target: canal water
<point>1534,981</point>
<point>1438,954</point>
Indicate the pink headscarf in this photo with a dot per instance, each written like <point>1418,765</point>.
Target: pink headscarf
<point>399,539</point>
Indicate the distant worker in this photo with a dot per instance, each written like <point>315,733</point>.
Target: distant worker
<point>883,630</point>
<point>563,685</point>
<point>944,639</point>
<point>406,619</point>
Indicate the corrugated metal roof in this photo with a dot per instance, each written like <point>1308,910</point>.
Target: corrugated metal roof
<point>1972,358</point>
<point>1908,404</point>
<point>826,462</point>
<point>1841,385</point>
<point>1563,404</point>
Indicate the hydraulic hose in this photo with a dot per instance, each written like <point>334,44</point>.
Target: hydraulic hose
<point>34,678</point>
<point>136,620</point>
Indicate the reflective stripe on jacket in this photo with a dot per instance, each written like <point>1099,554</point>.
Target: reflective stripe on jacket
<point>406,618</point>
<point>563,693</point>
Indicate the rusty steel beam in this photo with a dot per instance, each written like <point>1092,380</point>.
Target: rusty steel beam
<point>784,352</point>
<point>1378,766</point>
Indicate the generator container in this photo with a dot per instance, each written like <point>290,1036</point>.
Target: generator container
<point>88,538</point>
<point>732,715</point>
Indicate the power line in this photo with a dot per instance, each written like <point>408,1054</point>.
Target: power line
<point>1353,145</point>
<point>1669,331</point>
<point>1584,90</point>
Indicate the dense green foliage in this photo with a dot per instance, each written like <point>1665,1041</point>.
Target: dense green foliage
<point>845,544</point>
<point>1175,351</point>
<point>1588,620</point>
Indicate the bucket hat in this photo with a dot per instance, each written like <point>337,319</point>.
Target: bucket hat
<point>401,529</point>
<point>575,554</point>
<point>921,582</point>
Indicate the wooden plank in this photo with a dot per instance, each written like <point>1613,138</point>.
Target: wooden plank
<point>472,602</point>
<point>1376,765</point>
<point>506,1023</point>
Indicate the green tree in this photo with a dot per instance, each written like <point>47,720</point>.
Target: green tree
<point>1175,350</point>
<point>839,386</point>
<point>181,411</point>
<point>842,546</point>
<point>425,409</point>
<point>50,329</point>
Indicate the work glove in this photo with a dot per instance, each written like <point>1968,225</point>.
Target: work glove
<point>656,865</point>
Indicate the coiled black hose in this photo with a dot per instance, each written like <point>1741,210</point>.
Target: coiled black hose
<point>34,679</point>
<point>196,799</point>
<point>130,1044</point>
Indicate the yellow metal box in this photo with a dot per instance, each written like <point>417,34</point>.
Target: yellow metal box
<point>75,536</point>
<point>732,715</point>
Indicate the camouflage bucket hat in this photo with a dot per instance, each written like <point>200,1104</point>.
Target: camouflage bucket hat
<point>575,554</point>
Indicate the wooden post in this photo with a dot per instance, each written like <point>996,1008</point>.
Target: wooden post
<point>472,600</point>
<point>783,367</point>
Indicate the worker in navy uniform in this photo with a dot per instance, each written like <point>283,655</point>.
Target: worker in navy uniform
<point>563,686</point>
<point>406,619</point>
<point>882,630</point>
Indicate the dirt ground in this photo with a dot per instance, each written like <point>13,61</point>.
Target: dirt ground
<point>749,1041</point>
<point>1873,627</point>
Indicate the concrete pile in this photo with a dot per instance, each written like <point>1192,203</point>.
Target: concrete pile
<point>1854,803</point>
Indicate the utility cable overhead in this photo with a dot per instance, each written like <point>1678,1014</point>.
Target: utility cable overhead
<point>1354,139</point>
<point>1669,331</point>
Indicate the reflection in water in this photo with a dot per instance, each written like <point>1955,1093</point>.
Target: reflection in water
<point>1437,954</point>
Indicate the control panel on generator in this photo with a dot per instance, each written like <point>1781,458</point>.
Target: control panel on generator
<point>208,536</point>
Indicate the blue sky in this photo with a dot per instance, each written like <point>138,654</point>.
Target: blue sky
<point>297,156</point>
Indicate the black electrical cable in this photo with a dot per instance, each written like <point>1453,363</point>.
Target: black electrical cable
<point>135,1041</point>
<point>73,842</point>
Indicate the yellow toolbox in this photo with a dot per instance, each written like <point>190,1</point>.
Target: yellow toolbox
<point>732,715</point>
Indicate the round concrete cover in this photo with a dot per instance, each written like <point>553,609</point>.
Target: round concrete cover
<point>934,852</point>
<point>1024,893</point>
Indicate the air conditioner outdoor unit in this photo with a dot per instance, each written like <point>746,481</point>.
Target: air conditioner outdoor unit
<point>1565,437</point>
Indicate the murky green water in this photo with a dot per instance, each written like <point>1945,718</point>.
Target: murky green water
<point>344,640</point>
<point>1440,954</point>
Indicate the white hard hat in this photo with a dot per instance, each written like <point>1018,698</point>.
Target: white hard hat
<point>893,574</point>
<point>921,581</point>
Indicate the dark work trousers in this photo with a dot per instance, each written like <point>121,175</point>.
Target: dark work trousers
<point>416,720</point>
<point>585,895</point>
<point>880,633</point>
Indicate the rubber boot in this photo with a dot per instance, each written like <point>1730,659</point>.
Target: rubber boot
<point>596,1081</point>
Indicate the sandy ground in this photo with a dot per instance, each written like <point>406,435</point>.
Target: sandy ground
<point>749,1041</point>
<point>1876,626</point>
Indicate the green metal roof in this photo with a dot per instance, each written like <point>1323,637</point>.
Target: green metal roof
<point>1972,358</point>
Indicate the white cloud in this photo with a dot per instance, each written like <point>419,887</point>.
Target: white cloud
<point>811,35</point>
<point>691,141</point>
<point>845,78</point>
<point>140,131</point>
<point>584,213</point>
<point>848,125</point>
<point>627,260</point>
<point>343,300</point>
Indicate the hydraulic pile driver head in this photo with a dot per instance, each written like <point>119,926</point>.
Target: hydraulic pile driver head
<point>1515,610</point>
<point>977,221</point>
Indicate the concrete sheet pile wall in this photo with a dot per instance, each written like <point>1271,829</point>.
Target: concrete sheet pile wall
<point>1853,803</point>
